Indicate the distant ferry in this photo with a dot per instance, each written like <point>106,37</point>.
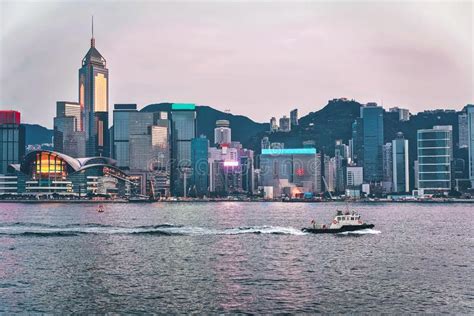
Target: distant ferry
<point>343,222</point>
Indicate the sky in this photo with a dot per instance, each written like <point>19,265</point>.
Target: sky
<point>259,59</point>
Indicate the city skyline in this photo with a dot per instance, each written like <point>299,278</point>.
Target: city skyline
<point>215,49</point>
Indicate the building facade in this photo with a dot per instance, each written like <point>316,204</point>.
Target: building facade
<point>463,126</point>
<point>294,118</point>
<point>12,139</point>
<point>199,158</point>
<point>434,160</point>
<point>470,113</point>
<point>183,125</point>
<point>401,174</point>
<point>372,116</point>
<point>94,102</point>
<point>290,172</point>
<point>222,133</point>
<point>285,125</point>
<point>69,139</point>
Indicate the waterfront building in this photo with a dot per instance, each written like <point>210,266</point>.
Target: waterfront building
<point>403,114</point>
<point>354,177</point>
<point>69,139</point>
<point>273,125</point>
<point>225,171</point>
<point>372,117</point>
<point>470,113</point>
<point>289,171</point>
<point>387,167</point>
<point>183,126</point>
<point>463,134</point>
<point>199,158</point>
<point>94,101</point>
<point>47,172</point>
<point>434,159</point>
<point>121,134</point>
<point>294,118</point>
<point>12,139</point>
<point>285,124</point>
<point>401,174</point>
<point>222,133</point>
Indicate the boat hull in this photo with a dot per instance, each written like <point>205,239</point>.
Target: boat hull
<point>346,228</point>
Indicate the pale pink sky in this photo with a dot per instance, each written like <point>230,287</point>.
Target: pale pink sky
<point>259,59</point>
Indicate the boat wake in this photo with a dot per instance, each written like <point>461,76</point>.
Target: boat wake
<point>368,231</point>
<point>69,230</point>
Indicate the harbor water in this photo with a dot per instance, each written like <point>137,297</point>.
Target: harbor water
<point>234,257</point>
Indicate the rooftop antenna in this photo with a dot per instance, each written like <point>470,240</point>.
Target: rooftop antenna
<point>92,38</point>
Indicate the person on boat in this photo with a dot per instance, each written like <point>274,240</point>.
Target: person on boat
<point>313,222</point>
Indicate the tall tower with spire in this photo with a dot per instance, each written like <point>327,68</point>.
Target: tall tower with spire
<point>94,101</point>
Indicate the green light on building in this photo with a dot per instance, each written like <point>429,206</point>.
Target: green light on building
<point>183,107</point>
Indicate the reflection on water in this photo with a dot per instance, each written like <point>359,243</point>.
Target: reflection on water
<point>233,257</point>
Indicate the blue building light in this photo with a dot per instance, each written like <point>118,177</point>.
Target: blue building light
<point>289,151</point>
<point>183,107</point>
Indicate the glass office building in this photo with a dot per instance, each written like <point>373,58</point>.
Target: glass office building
<point>199,158</point>
<point>121,139</point>
<point>183,131</point>
<point>434,159</point>
<point>372,118</point>
<point>12,139</point>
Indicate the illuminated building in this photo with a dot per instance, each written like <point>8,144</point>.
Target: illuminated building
<point>142,140</point>
<point>290,171</point>
<point>94,101</point>
<point>183,131</point>
<point>68,137</point>
<point>12,140</point>
<point>46,172</point>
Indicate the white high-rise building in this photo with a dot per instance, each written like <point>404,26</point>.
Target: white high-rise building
<point>222,133</point>
<point>400,174</point>
<point>354,176</point>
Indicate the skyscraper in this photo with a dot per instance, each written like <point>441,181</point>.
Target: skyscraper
<point>294,118</point>
<point>434,159</point>
<point>285,124</point>
<point>222,133</point>
<point>387,167</point>
<point>273,125</point>
<point>400,174</point>
<point>183,126</point>
<point>470,113</point>
<point>69,139</point>
<point>121,134</point>
<point>94,101</point>
<point>463,136</point>
<point>12,140</point>
<point>372,117</point>
<point>199,157</point>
